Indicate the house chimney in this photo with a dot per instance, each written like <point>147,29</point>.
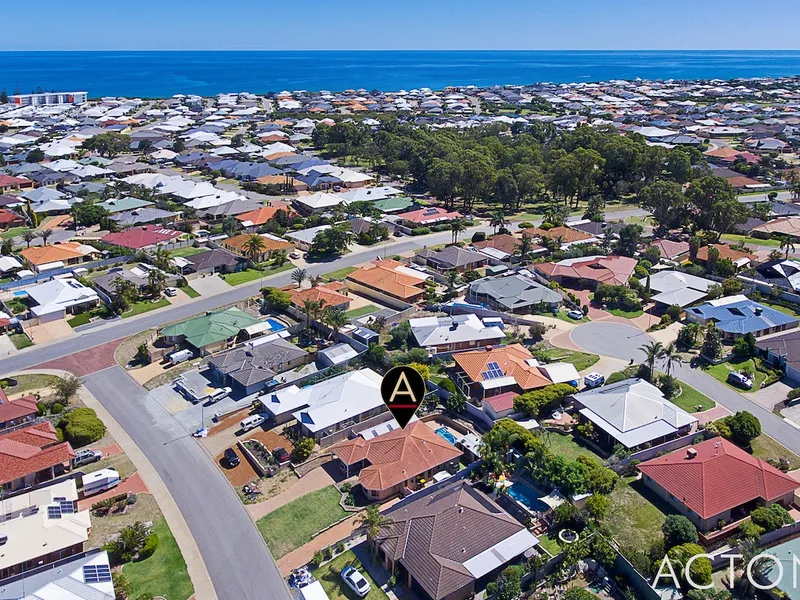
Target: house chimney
<point>488,348</point>
<point>691,453</point>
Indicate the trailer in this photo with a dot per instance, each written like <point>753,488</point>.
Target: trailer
<point>99,481</point>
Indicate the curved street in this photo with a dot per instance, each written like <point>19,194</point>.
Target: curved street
<point>623,341</point>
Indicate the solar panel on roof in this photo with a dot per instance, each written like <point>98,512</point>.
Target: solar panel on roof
<point>53,512</point>
<point>493,371</point>
<point>96,574</point>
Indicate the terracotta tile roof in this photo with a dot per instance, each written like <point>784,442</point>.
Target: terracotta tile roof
<point>42,255</point>
<point>262,215</point>
<point>725,251</point>
<point>327,292</point>
<point>31,449</point>
<point>670,249</point>
<point>237,243</point>
<point>567,234</point>
<point>723,152</point>
<point>613,270</point>
<point>784,225</point>
<point>721,476</point>
<point>8,216</point>
<point>20,408</point>
<point>503,242</point>
<point>397,456</point>
<point>434,535</point>
<point>429,215</point>
<point>141,237</point>
<point>9,180</point>
<point>511,360</point>
<point>381,275</point>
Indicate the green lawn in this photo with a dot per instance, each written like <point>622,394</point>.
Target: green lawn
<point>746,239</point>
<point>626,314</point>
<point>549,544</point>
<point>581,360</point>
<point>187,251</point>
<point>144,306</point>
<point>690,398</point>
<point>339,273</point>
<point>32,382</point>
<point>13,232</point>
<point>764,447</point>
<point>20,340</point>
<point>249,275</point>
<point>164,573</point>
<point>784,309</point>
<point>360,312</point>
<point>329,575</point>
<point>190,291</point>
<point>634,520</point>
<point>562,314</point>
<point>721,372</point>
<point>80,319</point>
<point>526,216</point>
<point>567,447</point>
<point>293,524</point>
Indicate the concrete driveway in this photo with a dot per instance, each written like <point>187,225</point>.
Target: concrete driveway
<point>209,286</point>
<point>237,559</point>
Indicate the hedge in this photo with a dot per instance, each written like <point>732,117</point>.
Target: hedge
<point>82,427</point>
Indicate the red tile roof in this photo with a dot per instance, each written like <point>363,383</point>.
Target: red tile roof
<point>722,476</point>
<point>613,270</point>
<point>396,456</point>
<point>141,237</point>
<point>30,450</point>
<point>8,216</point>
<point>501,402</point>
<point>11,410</point>
<point>670,249</point>
<point>9,180</point>
<point>512,360</point>
<point>429,215</point>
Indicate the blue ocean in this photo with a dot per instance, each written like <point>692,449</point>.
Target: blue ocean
<point>162,74</point>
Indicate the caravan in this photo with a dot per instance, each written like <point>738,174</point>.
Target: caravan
<point>99,481</point>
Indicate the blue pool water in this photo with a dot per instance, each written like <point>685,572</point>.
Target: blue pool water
<point>445,433</point>
<point>527,496</point>
<point>275,325</point>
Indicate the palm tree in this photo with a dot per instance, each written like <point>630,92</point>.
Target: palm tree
<point>335,319</point>
<point>162,258</point>
<point>524,249</point>
<point>44,234</point>
<point>28,236</point>
<point>452,279</point>
<point>312,308</point>
<point>498,219</point>
<point>299,276</point>
<point>787,246</point>
<point>671,356</point>
<point>253,246</point>
<point>456,227</point>
<point>652,352</point>
<point>155,281</point>
<point>281,258</point>
<point>315,280</point>
<point>371,522</point>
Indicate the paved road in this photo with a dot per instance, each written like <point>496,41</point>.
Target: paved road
<point>237,560</point>
<point>624,341</point>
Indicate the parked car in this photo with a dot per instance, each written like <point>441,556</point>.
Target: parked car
<point>86,457</point>
<point>740,380</point>
<point>294,255</point>
<point>171,291</point>
<point>218,394</point>
<point>281,455</point>
<point>356,581</point>
<point>575,314</point>
<point>231,458</point>
<point>252,422</point>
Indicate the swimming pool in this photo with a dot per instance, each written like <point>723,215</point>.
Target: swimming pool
<point>527,496</point>
<point>445,433</point>
<point>274,324</point>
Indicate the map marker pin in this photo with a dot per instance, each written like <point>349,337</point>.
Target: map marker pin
<point>403,390</point>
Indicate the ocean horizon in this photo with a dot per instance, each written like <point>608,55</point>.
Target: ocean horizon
<point>163,73</point>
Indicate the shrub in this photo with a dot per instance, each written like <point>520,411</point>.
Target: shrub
<point>327,553</point>
<point>525,225</point>
<point>57,408</point>
<point>422,369</point>
<point>678,530</point>
<point>81,427</point>
<point>420,231</point>
<point>303,448</point>
<point>793,394</point>
<point>578,593</point>
<point>674,312</point>
<point>318,558</point>
<point>346,487</point>
<point>534,402</point>
<point>150,547</point>
<point>770,518</point>
<point>340,547</point>
<point>537,330</point>
<point>701,568</point>
<point>744,427</point>
<point>448,385</point>
<point>668,385</point>
<point>750,531</point>
<point>478,236</point>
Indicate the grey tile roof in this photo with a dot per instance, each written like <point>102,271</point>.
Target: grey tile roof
<point>249,365</point>
<point>514,291</point>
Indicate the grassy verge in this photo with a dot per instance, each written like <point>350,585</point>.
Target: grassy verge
<point>339,274</point>
<point>187,251</point>
<point>249,275</point>
<point>164,573</point>
<point>690,398</point>
<point>78,320</point>
<point>581,360</point>
<point>746,239</point>
<point>568,447</point>
<point>721,372</point>
<point>20,340</point>
<point>190,291</point>
<point>144,306</point>
<point>13,232</point>
<point>764,447</point>
<point>562,314</point>
<point>329,575</point>
<point>625,314</point>
<point>360,312</point>
<point>634,520</point>
<point>294,524</point>
<point>784,309</point>
<point>32,382</point>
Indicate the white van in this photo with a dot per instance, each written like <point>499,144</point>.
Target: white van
<point>99,481</point>
<point>252,422</point>
<point>218,394</point>
<point>180,356</point>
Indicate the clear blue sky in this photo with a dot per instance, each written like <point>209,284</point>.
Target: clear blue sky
<point>403,24</point>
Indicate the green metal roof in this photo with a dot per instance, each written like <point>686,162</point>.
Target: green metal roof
<point>122,204</point>
<point>393,204</point>
<point>211,328</point>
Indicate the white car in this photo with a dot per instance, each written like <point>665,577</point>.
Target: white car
<point>575,314</point>
<point>294,255</point>
<point>355,581</point>
<point>171,291</point>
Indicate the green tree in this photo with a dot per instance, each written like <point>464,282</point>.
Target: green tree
<point>745,427</point>
<point>498,219</point>
<point>108,144</point>
<point>45,235</point>
<point>299,276</point>
<point>712,344</point>
<point>597,506</point>
<point>129,541</point>
<point>665,200</point>
<point>678,530</point>
<point>156,281</point>
<point>28,236</point>
<point>254,246</point>
<point>456,403</point>
<point>787,245</point>
<point>371,522</point>
<point>700,571</point>
<point>66,387</point>
<point>653,351</point>
<point>302,449</point>
<point>715,205</point>
<point>456,227</point>
<point>629,237</point>
<point>88,214</point>
<point>82,427</point>
<point>125,293</point>
<point>35,156</point>
<point>671,356</point>
<point>276,298</point>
